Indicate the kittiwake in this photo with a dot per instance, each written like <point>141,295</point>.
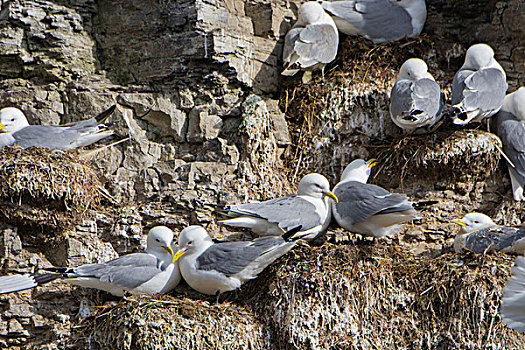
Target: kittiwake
<point>378,20</point>
<point>149,272</point>
<point>415,100</point>
<point>513,303</point>
<point>369,209</point>
<point>312,42</point>
<point>310,209</point>
<point>14,129</point>
<point>214,268</point>
<point>479,234</point>
<point>511,131</point>
<point>479,86</point>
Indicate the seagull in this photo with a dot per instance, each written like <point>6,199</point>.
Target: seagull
<point>479,86</point>
<point>479,234</point>
<point>378,20</point>
<point>148,272</point>
<point>369,209</point>
<point>513,303</point>
<point>214,268</point>
<point>14,129</point>
<point>415,99</point>
<point>311,43</point>
<point>511,131</point>
<point>310,209</point>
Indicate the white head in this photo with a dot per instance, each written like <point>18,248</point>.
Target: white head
<point>12,119</point>
<point>310,12</point>
<point>474,222</point>
<point>515,103</point>
<point>159,241</point>
<point>193,239</point>
<point>414,69</point>
<point>479,56</point>
<point>358,170</point>
<point>315,185</point>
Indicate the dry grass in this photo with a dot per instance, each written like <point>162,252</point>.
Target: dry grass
<point>49,189</point>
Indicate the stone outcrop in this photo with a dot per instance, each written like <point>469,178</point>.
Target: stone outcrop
<point>210,121</point>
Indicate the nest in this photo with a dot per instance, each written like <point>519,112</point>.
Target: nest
<point>172,324</point>
<point>447,155</point>
<point>44,188</point>
<point>330,297</point>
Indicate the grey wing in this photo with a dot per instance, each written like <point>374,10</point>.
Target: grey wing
<point>359,201</point>
<point>513,304</point>
<point>458,85</point>
<point>52,137</point>
<point>288,212</point>
<point>401,101</point>
<point>427,97</point>
<point>233,257</point>
<point>378,20</point>
<point>128,271</point>
<point>512,134</point>
<point>289,42</point>
<point>318,42</point>
<point>493,238</point>
<point>484,90</point>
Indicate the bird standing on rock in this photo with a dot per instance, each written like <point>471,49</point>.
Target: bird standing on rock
<point>311,43</point>
<point>415,100</point>
<point>378,20</point>
<point>479,86</point>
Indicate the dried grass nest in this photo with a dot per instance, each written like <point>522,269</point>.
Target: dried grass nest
<point>45,188</point>
<point>447,155</point>
<point>329,297</point>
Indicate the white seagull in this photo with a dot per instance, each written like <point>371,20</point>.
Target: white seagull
<point>513,303</point>
<point>511,131</point>
<point>14,129</point>
<point>479,86</point>
<point>415,99</point>
<point>369,209</point>
<point>310,209</point>
<point>149,272</point>
<point>479,234</point>
<point>311,43</point>
<point>378,20</point>
<point>214,268</point>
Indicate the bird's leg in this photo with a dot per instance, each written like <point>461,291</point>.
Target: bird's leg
<point>217,295</point>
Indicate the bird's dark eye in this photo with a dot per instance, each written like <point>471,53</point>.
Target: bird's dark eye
<point>476,222</point>
<point>13,119</point>
<point>158,240</point>
<point>189,243</point>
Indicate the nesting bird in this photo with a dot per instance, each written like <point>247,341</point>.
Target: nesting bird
<point>479,234</point>
<point>310,209</point>
<point>369,209</point>
<point>378,20</point>
<point>511,131</point>
<point>311,43</point>
<point>513,303</point>
<point>415,99</point>
<point>214,268</point>
<point>479,86</point>
<point>149,272</point>
<point>14,129</point>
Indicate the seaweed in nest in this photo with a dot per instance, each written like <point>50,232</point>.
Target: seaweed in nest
<point>45,188</point>
<point>450,155</point>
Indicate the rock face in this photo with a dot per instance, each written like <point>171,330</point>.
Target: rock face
<point>210,121</point>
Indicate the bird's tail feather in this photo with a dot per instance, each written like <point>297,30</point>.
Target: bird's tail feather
<point>16,283</point>
<point>422,204</point>
<point>104,115</point>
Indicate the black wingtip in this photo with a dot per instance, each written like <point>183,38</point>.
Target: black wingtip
<point>423,204</point>
<point>56,269</point>
<point>102,116</point>
<point>42,278</point>
<point>288,234</point>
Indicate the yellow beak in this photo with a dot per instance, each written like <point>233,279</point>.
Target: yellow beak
<point>169,250</point>
<point>371,162</point>
<point>2,126</point>
<point>178,254</point>
<point>330,195</point>
<point>459,222</point>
